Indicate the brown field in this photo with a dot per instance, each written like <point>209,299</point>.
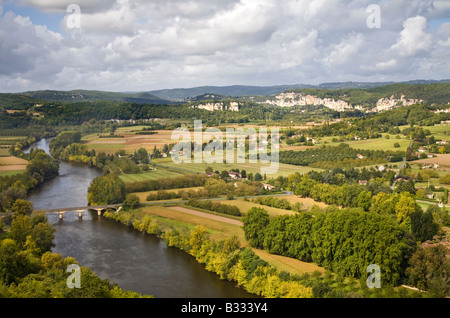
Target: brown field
<point>307,202</point>
<point>12,164</point>
<point>290,265</point>
<point>442,160</point>
<point>130,143</point>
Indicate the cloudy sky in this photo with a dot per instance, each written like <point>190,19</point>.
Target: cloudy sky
<point>142,45</point>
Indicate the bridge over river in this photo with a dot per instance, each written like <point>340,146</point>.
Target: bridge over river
<point>81,209</point>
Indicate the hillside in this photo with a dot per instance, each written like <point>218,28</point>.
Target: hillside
<point>242,90</point>
<point>90,96</point>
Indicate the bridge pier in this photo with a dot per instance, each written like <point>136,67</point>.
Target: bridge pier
<point>99,212</point>
<point>61,215</point>
<point>80,214</point>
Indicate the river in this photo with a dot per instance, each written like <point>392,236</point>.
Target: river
<point>135,261</point>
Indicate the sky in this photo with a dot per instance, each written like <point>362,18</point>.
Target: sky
<point>144,45</point>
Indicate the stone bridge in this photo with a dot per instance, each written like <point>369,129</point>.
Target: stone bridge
<point>98,208</point>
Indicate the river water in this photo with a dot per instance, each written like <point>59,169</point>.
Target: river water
<point>135,261</point>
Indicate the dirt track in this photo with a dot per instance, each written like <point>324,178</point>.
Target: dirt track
<point>207,215</point>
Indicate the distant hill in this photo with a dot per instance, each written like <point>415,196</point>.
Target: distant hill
<point>89,96</point>
<point>354,92</point>
<point>179,94</point>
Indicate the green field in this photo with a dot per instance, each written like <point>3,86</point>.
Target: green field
<point>150,175</point>
<point>439,132</point>
<point>283,169</point>
<point>373,144</point>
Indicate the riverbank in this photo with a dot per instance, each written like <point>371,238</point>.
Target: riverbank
<point>223,250</point>
<point>227,258</point>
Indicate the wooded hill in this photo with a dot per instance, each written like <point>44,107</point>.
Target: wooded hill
<point>88,96</point>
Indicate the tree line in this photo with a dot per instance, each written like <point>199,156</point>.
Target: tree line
<point>343,241</point>
<point>215,207</point>
<point>338,156</point>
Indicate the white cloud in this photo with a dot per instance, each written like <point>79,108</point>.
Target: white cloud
<point>413,38</point>
<point>345,51</point>
<point>144,45</point>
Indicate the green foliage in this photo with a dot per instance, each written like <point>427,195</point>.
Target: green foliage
<point>430,270</point>
<point>423,226</point>
<point>23,207</point>
<point>445,179</point>
<point>290,236</point>
<point>341,156</point>
<point>184,181</point>
<point>344,241</point>
<point>345,195</point>
<point>407,186</point>
<point>274,202</point>
<point>255,222</point>
<point>29,270</point>
<point>132,201</point>
<point>215,206</point>
<point>104,190</point>
<point>40,168</point>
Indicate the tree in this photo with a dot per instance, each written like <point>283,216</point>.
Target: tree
<point>445,196</point>
<point>43,235</point>
<point>255,223</point>
<point>20,228</point>
<point>365,200</point>
<point>209,169</point>
<point>22,207</point>
<point>407,186</point>
<point>430,270</point>
<point>423,226</point>
<point>9,196</point>
<point>404,208</point>
<point>419,177</point>
<point>410,154</point>
<point>109,189</point>
<point>142,155</point>
<point>13,264</point>
<point>445,179</point>
<point>132,201</point>
<point>224,174</point>
<point>258,176</point>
